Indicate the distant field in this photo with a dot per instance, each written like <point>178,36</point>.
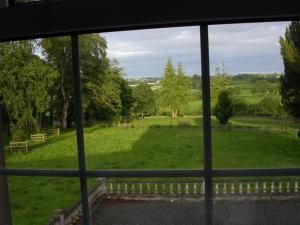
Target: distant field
<point>153,143</point>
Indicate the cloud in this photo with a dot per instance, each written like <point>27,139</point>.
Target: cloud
<point>251,47</point>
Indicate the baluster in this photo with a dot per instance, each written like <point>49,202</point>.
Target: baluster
<point>104,188</point>
<point>256,187</point>
<point>132,189</point>
<point>148,188</point>
<point>118,188</point>
<point>141,188</point>
<point>186,188</point>
<point>241,188</point>
<point>248,188</point>
<point>179,188</point>
<point>225,188</point>
<point>203,187</point>
<point>264,187</point>
<point>232,188</point>
<point>155,189</point>
<point>164,189</point>
<point>217,189</point>
<point>111,188</point>
<point>296,187</point>
<point>195,188</point>
<point>280,187</point>
<point>272,187</point>
<point>171,189</point>
<point>288,188</point>
<point>125,189</point>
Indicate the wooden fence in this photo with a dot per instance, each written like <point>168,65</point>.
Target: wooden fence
<point>39,137</point>
<point>18,146</point>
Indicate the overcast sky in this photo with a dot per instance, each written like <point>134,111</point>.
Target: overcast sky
<point>243,48</point>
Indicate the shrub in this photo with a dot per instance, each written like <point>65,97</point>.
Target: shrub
<point>270,105</point>
<point>240,107</point>
<point>223,109</point>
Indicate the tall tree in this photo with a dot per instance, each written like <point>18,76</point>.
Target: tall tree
<point>223,109</point>
<point>25,81</point>
<point>144,99</point>
<point>220,81</point>
<point>290,80</point>
<point>58,53</point>
<point>175,89</point>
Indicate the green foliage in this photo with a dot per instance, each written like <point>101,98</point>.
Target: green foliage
<point>223,109</point>
<point>144,99</point>
<point>127,99</point>
<point>270,105</point>
<point>290,81</point>
<point>197,82</point>
<point>175,88</point>
<point>25,81</point>
<point>264,87</point>
<point>219,82</point>
<point>240,107</point>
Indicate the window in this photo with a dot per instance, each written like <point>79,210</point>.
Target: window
<point>237,179</point>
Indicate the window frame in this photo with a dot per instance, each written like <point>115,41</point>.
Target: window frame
<point>208,172</point>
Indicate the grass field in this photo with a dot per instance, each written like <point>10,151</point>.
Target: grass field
<point>153,143</point>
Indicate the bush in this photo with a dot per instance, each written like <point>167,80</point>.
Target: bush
<point>240,107</point>
<point>270,105</point>
<point>223,109</point>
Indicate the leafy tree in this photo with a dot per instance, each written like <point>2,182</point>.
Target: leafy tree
<point>261,87</point>
<point>175,88</point>
<point>290,80</point>
<point>223,109</point>
<point>25,81</point>
<point>270,105</point>
<point>127,99</point>
<point>58,53</point>
<point>196,82</point>
<point>219,82</point>
<point>144,99</point>
<point>101,78</point>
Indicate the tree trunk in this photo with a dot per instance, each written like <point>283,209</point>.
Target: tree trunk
<point>64,114</point>
<point>5,214</point>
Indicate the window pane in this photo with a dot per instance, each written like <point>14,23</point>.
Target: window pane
<point>245,201</point>
<point>39,200</point>
<point>37,102</point>
<point>147,201</point>
<point>142,99</point>
<point>254,125</point>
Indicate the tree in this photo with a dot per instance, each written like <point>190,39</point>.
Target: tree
<point>270,105</point>
<point>196,82</point>
<point>290,80</point>
<point>127,99</point>
<point>25,81</point>
<point>175,88</point>
<point>101,78</point>
<point>223,109</point>
<point>144,99</point>
<point>219,82</point>
<point>262,87</point>
<point>58,53</point>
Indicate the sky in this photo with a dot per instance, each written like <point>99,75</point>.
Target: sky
<point>243,48</point>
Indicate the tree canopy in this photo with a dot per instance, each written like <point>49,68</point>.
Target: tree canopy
<point>175,89</point>
<point>25,81</point>
<point>290,80</point>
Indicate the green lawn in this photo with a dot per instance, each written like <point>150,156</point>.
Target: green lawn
<point>153,143</point>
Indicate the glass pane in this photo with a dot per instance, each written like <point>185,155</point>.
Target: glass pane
<point>37,102</point>
<point>147,201</point>
<point>254,124</point>
<point>247,201</point>
<point>43,200</point>
<point>142,99</point>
